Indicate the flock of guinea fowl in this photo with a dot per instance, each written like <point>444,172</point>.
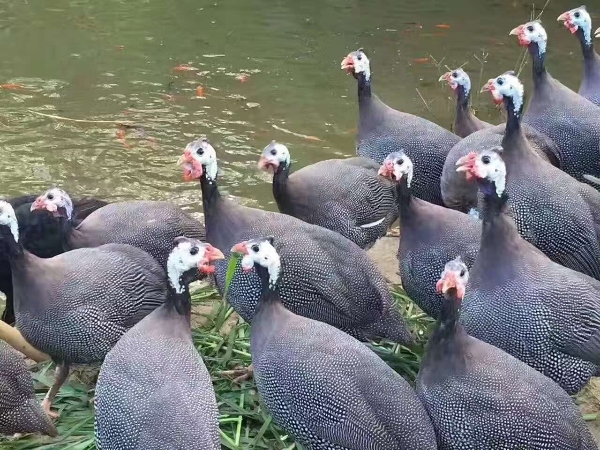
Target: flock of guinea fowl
<point>499,241</point>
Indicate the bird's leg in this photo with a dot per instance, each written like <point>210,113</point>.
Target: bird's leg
<point>240,373</point>
<point>62,373</point>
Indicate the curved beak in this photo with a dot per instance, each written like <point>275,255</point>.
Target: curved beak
<point>386,169</point>
<point>265,163</point>
<point>467,164</point>
<point>40,204</point>
<point>211,254</point>
<point>240,248</point>
<point>597,33</point>
<point>185,157</point>
<point>445,77</point>
<point>487,87</point>
<point>563,17</point>
<point>348,64</point>
<point>515,31</point>
<point>37,204</point>
<point>446,283</point>
<point>192,169</point>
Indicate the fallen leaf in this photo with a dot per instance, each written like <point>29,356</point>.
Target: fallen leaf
<point>243,78</point>
<point>119,47</point>
<point>444,26</point>
<point>252,105</point>
<point>11,86</point>
<point>421,60</point>
<point>184,68</point>
<point>200,91</point>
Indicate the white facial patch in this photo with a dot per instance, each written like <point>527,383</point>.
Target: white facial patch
<point>404,169</point>
<point>362,65</point>
<point>512,88</point>
<point>60,199</point>
<point>283,154</point>
<point>267,257</point>
<point>463,79</point>
<point>584,21</point>
<point>538,35</point>
<point>180,261</point>
<point>277,153</point>
<point>207,157</point>
<point>495,171</point>
<point>8,218</point>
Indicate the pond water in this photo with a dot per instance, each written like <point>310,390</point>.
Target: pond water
<point>265,68</point>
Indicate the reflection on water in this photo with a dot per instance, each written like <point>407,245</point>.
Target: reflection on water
<point>265,69</point>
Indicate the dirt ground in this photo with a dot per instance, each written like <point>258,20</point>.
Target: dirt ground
<point>384,254</point>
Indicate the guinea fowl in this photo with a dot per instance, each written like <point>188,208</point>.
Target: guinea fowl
<point>430,235</point>
<point>478,396</point>
<point>329,278</point>
<point>40,235</point>
<point>20,412</point>
<point>148,225</point>
<point>343,195</point>
<point>465,122</point>
<point>552,210</point>
<point>325,388</point>
<point>76,305</point>
<point>519,300</point>
<point>570,120</point>
<point>153,390</point>
<point>457,192</point>
<point>579,22</point>
<point>383,130</point>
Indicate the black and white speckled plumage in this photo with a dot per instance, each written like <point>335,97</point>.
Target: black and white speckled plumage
<point>570,120</point>
<point>517,299</point>
<point>480,397</point>
<point>77,305</point>
<point>383,130</point>
<point>154,391</point>
<point>326,388</point>
<point>343,195</point>
<point>430,235</point>
<point>148,225</point>
<point>461,195</point>
<point>328,277</point>
<point>20,411</point>
<point>579,22</point>
<point>552,210</point>
<point>41,235</point>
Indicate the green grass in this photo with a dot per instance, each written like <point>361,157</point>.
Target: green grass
<point>243,420</point>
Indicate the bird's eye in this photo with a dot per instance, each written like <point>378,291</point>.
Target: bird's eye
<point>400,162</point>
<point>530,28</point>
<point>500,81</point>
<point>462,273</point>
<point>485,159</point>
<point>577,15</point>
<point>273,152</point>
<point>200,151</point>
<point>50,196</point>
<point>255,248</point>
<point>193,250</point>
<point>359,57</point>
<point>455,74</point>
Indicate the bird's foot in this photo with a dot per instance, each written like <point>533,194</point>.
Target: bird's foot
<point>46,404</point>
<point>239,374</point>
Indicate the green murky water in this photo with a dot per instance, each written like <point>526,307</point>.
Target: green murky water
<point>114,60</point>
